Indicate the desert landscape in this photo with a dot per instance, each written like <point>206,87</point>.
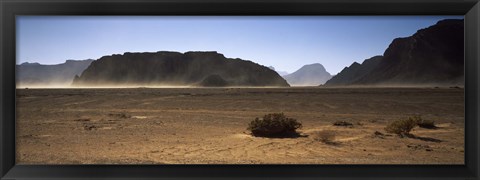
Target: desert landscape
<point>209,125</point>
<point>152,91</point>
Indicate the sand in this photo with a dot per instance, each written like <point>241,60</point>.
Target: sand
<point>208,126</point>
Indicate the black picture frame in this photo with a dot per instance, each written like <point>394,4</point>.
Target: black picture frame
<point>9,9</point>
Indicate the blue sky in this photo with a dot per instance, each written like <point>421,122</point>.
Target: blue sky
<point>285,42</point>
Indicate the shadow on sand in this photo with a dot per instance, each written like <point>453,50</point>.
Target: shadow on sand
<point>429,139</point>
<point>281,136</point>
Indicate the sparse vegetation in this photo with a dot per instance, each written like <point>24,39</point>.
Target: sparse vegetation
<point>274,125</point>
<point>326,136</point>
<point>342,123</point>
<point>428,124</point>
<point>120,115</point>
<point>423,123</point>
<point>89,127</point>
<point>401,127</point>
<point>82,119</point>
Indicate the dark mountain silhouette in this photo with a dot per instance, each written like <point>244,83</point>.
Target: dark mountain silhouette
<point>355,72</point>
<point>432,56</point>
<point>35,74</point>
<point>174,68</point>
<point>308,75</point>
<point>213,81</point>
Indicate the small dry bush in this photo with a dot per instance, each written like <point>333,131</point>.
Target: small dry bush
<point>428,124</point>
<point>274,125</point>
<point>326,136</point>
<point>423,123</point>
<point>120,115</point>
<point>401,127</point>
<point>342,123</point>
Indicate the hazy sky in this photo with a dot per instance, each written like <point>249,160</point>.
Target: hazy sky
<point>285,42</point>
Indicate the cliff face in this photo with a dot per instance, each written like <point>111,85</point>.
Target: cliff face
<point>35,74</point>
<point>434,55</point>
<point>355,72</point>
<point>308,75</point>
<point>174,68</point>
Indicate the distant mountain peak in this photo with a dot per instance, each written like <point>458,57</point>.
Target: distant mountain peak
<point>281,73</point>
<point>308,75</point>
<point>36,74</point>
<point>30,64</point>
<point>314,65</point>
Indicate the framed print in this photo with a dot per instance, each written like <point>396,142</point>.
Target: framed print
<point>239,89</point>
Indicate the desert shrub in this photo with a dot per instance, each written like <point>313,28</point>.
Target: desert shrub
<point>274,125</point>
<point>120,115</point>
<point>89,127</point>
<point>326,136</point>
<point>401,127</point>
<point>342,123</point>
<point>429,124</point>
<point>82,119</point>
<point>423,123</point>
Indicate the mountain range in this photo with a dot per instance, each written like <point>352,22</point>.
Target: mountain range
<point>431,56</point>
<point>35,74</point>
<point>207,68</point>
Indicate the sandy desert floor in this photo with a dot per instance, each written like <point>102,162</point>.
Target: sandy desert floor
<point>208,126</point>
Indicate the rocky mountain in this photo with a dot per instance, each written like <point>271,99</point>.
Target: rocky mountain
<point>35,74</point>
<point>174,68</point>
<point>355,72</point>
<point>431,56</point>
<point>308,75</point>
